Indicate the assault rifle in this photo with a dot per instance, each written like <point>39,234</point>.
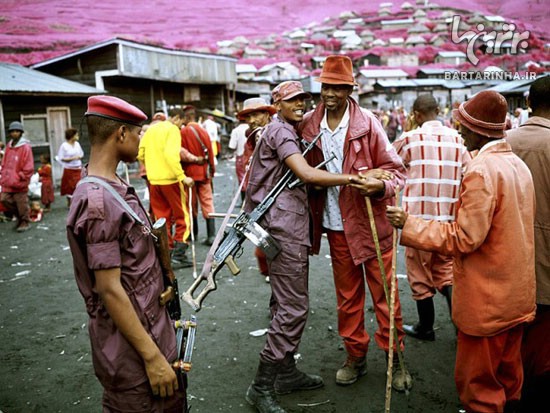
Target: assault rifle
<point>244,227</point>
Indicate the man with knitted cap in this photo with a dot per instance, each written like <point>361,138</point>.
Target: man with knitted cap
<point>492,242</point>
<point>15,176</point>
<point>118,273</point>
<point>361,146</point>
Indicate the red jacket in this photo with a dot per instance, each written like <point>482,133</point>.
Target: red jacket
<point>190,142</point>
<point>366,145</point>
<point>17,167</point>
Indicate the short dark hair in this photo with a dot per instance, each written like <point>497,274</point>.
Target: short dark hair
<point>539,93</point>
<point>70,133</point>
<point>100,128</point>
<point>176,112</point>
<point>425,104</point>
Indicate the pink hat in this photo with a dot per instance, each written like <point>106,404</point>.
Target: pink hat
<point>113,108</point>
<point>159,116</point>
<point>337,70</point>
<point>287,90</point>
<point>485,114</point>
<point>255,105</point>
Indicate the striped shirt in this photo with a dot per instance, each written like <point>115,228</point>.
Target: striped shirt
<point>435,157</point>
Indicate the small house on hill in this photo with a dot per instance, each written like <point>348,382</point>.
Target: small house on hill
<point>279,72</point>
<point>451,58</point>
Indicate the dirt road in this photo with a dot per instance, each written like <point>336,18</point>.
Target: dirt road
<point>45,353</point>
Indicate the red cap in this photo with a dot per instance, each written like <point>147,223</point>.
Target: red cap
<point>111,107</point>
<point>485,114</point>
<point>287,90</point>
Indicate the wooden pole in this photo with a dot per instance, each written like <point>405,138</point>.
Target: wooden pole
<point>393,285</point>
<point>384,282</point>
<point>192,233</point>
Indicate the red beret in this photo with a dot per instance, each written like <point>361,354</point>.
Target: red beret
<point>111,107</point>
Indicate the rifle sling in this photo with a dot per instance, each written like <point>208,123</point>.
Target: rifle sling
<point>115,194</point>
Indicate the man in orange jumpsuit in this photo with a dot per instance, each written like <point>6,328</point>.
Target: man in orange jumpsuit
<point>492,241</point>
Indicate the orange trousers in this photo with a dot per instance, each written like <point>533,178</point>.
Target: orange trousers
<point>202,193</point>
<point>427,272</point>
<point>488,370</point>
<point>170,202</point>
<point>349,281</point>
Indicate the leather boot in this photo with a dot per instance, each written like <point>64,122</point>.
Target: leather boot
<point>401,378</point>
<point>353,368</point>
<point>261,393</point>
<point>210,231</point>
<point>447,291</point>
<point>423,330</point>
<point>291,379</point>
<point>195,227</point>
<point>179,258</point>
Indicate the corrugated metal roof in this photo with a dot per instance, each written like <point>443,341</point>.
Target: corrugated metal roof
<point>383,73</point>
<point>21,79</point>
<point>408,83</point>
<point>136,45</point>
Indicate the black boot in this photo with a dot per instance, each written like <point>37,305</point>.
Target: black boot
<point>260,393</point>
<point>195,227</point>
<point>179,258</point>
<point>210,231</point>
<point>423,330</point>
<point>447,291</point>
<point>291,379</point>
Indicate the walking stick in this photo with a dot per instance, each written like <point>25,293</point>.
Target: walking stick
<point>192,233</point>
<point>392,309</point>
<point>385,284</point>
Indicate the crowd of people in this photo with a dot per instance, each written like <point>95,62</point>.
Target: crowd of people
<point>473,219</point>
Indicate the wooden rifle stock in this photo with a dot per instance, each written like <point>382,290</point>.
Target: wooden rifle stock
<point>170,296</point>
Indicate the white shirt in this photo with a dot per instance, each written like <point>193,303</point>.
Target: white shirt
<point>238,139</point>
<point>212,129</point>
<point>66,150</point>
<point>332,142</point>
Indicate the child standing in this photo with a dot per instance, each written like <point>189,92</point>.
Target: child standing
<point>45,174</point>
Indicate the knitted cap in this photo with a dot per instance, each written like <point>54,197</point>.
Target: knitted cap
<point>485,114</point>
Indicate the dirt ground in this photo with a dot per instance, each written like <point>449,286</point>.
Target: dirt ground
<point>45,353</point>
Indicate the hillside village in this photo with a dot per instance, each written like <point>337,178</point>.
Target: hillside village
<point>395,50</point>
<point>398,52</point>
